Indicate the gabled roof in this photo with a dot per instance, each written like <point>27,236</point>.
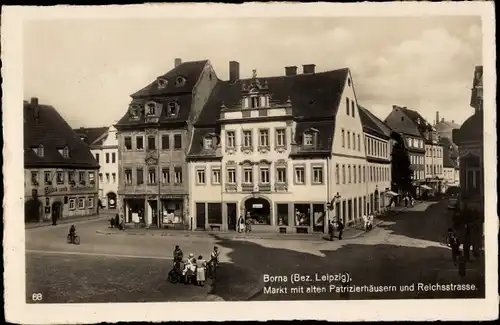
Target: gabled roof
<point>52,132</point>
<point>405,126</point>
<point>314,99</point>
<point>190,70</point>
<point>93,136</point>
<point>416,118</point>
<point>373,124</point>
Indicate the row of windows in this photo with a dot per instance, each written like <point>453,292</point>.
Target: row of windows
<point>415,143</point>
<point>359,174</point>
<point>263,177</point>
<point>113,157</point>
<point>151,142</point>
<point>433,169</point>
<point>263,139</point>
<point>63,177</point>
<point>376,147</point>
<point>436,152</point>
<point>81,203</point>
<point>107,178</point>
<point>354,138</point>
<point>416,159</point>
<point>419,174</point>
<point>166,176</point>
<point>350,107</point>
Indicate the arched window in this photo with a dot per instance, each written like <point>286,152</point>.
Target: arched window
<point>173,108</point>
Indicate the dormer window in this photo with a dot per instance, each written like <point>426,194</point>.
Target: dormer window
<point>40,151</point>
<point>134,111</point>
<point>172,108</point>
<point>180,81</point>
<point>308,139</point>
<point>65,152</point>
<point>418,121</point>
<point>150,108</point>
<point>208,143</point>
<point>162,83</point>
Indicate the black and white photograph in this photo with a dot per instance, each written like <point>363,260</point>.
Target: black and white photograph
<point>194,153</point>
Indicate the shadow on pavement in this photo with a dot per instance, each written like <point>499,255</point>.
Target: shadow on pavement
<point>431,224</point>
<point>379,265</point>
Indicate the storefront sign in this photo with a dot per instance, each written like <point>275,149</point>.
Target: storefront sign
<point>166,196</point>
<point>83,189</point>
<point>257,206</point>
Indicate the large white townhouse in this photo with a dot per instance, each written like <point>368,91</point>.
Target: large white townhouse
<point>279,150</point>
<point>378,144</point>
<point>103,143</point>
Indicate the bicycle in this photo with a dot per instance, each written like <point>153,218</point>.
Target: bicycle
<point>75,239</point>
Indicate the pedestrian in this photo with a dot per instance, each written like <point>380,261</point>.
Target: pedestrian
<point>117,220</point>
<point>248,224</point>
<point>340,228</point>
<point>370,222</point>
<point>241,224</point>
<point>365,222</point>
<point>331,230</point>
<point>454,244</point>
<point>54,217</point>
<point>200,271</point>
<point>406,200</point>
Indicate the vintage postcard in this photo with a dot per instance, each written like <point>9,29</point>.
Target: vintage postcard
<point>250,162</point>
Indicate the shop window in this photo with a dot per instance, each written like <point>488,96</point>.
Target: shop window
<point>282,213</point>
<point>302,215</point>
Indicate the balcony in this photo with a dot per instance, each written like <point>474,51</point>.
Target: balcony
<point>247,188</point>
<point>304,149</point>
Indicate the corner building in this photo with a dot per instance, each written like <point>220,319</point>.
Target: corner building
<point>59,169</point>
<point>268,147</point>
<point>153,138</point>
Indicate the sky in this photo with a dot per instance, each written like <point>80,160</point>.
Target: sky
<point>87,69</point>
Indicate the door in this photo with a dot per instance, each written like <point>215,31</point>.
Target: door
<point>200,216</point>
<point>56,210</point>
<point>231,216</point>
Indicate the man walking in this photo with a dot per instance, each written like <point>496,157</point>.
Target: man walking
<point>331,230</point>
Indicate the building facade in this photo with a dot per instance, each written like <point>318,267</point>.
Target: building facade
<point>153,139</point>
<point>280,151</point>
<point>60,172</point>
<point>401,120</point>
<point>378,146</point>
<point>470,141</point>
<point>103,142</point>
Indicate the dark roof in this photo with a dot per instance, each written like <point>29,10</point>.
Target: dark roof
<point>190,70</point>
<point>471,130</point>
<point>445,142</point>
<point>373,124</point>
<point>93,136</point>
<point>314,100</point>
<point>54,133</point>
<point>406,126</point>
<point>184,102</point>
<point>416,118</point>
<point>326,131</point>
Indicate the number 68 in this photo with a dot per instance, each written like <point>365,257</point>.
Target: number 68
<point>36,297</point>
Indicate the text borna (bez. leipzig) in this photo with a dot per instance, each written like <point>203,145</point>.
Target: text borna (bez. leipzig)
<point>300,278</point>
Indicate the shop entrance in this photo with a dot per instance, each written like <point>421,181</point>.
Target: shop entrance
<point>231,216</point>
<point>259,210</point>
<point>56,211</point>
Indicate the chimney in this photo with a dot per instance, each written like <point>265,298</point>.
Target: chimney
<point>234,71</point>
<point>291,71</point>
<point>35,107</point>
<point>177,62</point>
<point>437,117</point>
<point>34,101</point>
<point>395,107</point>
<point>308,68</point>
<point>452,121</point>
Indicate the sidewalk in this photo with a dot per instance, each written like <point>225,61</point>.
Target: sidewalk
<point>349,233</point>
<point>103,214</point>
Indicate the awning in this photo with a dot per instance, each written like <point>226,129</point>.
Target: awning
<point>391,193</point>
<point>425,187</point>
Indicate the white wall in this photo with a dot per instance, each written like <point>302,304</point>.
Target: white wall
<point>109,146</point>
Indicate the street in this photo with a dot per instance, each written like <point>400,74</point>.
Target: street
<point>406,249</point>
